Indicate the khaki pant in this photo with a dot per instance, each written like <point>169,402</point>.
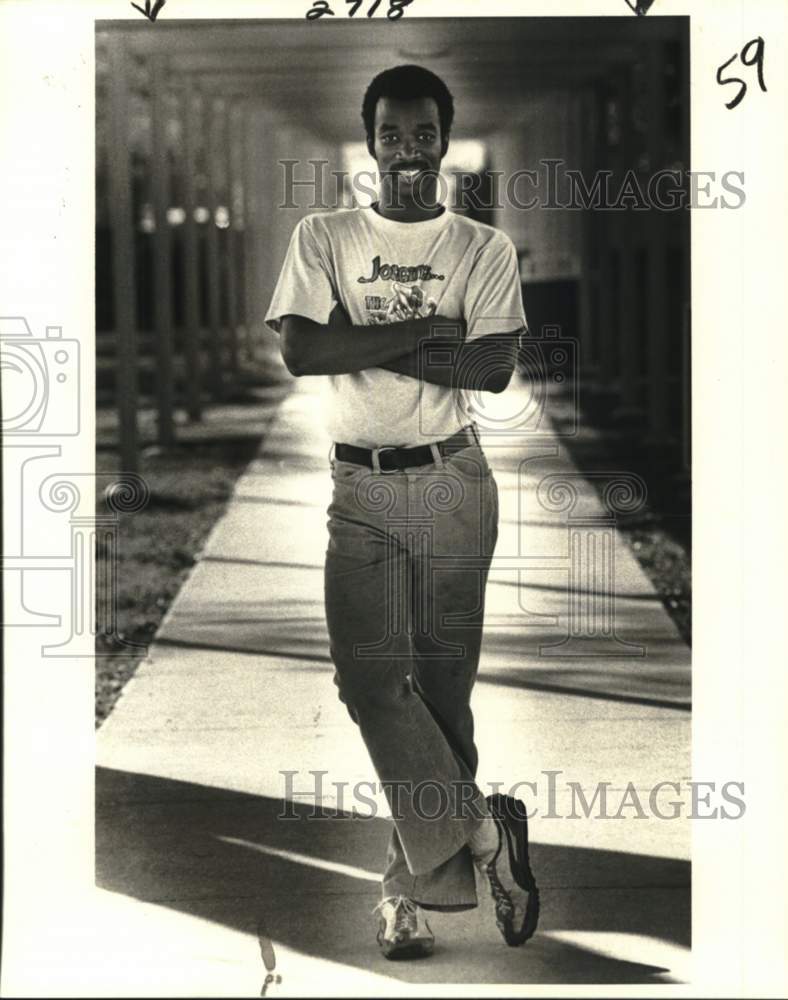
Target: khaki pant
<point>405,575</point>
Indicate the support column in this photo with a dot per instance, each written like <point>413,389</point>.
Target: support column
<point>630,407</point>
<point>628,333</point>
<point>608,305</point>
<point>605,227</point>
<point>584,121</point>
<point>617,293</point>
<point>656,312</point>
<point>244,233</point>
<point>191,263</point>
<point>124,286</point>
<point>231,255</point>
<point>686,388</point>
<point>686,272</point>
<point>162,256</point>
<point>252,318</point>
<point>215,352</point>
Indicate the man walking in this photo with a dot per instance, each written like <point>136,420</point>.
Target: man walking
<point>408,308</point>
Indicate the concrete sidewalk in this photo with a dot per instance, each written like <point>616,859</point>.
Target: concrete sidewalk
<point>194,861</point>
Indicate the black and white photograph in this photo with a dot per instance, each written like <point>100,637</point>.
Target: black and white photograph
<point>396,609</point>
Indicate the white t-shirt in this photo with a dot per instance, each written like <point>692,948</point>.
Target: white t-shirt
<point>383,271</point>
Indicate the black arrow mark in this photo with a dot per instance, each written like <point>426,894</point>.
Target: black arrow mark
<point>641,8</point>
<point>153,13</point>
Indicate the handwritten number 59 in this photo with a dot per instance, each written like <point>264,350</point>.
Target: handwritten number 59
<point>750,55</point>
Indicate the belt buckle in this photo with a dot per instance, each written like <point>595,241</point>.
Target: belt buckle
<point>376,453</point>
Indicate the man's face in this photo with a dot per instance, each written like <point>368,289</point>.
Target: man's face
<point>407,143</point>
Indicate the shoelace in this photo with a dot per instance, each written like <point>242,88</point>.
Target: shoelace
<point>503,901</point>
<point>405,913</point>
<point>504,904</point>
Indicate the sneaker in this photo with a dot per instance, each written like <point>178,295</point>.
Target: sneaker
<point>509,874</point>
<point>401,934</point>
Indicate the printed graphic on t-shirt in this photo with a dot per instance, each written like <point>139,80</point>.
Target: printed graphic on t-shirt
<point>407,302</point>
<point>399,272</point>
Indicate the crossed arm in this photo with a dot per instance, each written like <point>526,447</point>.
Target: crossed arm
<point>414,347</point>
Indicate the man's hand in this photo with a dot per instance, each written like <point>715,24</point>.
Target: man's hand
<point>486,363</point>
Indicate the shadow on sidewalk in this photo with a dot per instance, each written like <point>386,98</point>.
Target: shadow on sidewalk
<point>311,883</point>
<point>517,652</point>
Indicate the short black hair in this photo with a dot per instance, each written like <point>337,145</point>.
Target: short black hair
<point>406,83</point>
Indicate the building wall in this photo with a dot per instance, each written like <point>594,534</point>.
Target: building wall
<point>548,239</point>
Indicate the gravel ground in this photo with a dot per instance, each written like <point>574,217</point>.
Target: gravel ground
<point>189,489</point>
<point>660,534</point>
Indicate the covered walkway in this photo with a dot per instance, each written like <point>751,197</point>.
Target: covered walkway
<point>212,142</point>
<point>195,862</point>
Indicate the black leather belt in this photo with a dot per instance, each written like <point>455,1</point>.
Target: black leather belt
<point>391,459</point>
